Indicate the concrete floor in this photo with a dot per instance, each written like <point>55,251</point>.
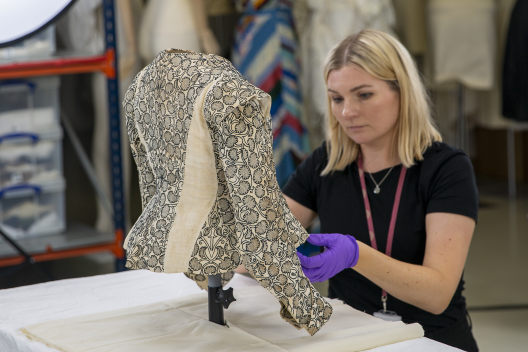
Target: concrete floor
<point>496,270</point>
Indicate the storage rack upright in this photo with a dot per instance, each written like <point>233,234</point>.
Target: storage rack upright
<point>80,240</point>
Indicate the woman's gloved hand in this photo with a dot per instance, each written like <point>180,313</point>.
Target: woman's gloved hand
<point>341,252</point>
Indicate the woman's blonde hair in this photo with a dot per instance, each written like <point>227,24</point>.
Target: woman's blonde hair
<point>383,57</point>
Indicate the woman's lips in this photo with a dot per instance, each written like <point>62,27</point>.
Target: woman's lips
<point>355,128</point>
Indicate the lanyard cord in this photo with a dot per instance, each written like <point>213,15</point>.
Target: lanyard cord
<point>394,215</point>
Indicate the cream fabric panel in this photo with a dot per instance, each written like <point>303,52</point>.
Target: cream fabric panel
<point>198,193</point>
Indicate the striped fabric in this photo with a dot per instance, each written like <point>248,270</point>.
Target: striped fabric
<point>265,53</point>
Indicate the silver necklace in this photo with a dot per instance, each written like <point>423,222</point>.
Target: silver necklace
<point>378,189</point>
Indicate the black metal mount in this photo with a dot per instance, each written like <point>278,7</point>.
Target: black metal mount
<point>218,299</point>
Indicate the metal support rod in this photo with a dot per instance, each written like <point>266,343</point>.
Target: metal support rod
<point>514,243</point>
<point>463,131</point>
<point>28,259</point>
<point>511,162</point>
<point>116,166</point>
<point>15,245</point>
<point>216,310</point>
<point>86,164</point>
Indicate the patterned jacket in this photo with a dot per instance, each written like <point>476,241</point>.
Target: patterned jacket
<point>202,140</point>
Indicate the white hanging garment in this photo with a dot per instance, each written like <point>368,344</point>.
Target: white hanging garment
<point>167,24</point>
<point>463,41</point>
<point>81,29</point>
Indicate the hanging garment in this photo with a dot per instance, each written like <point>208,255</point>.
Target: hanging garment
<point>463,41</point>
<point>166,24</point>
<point>330,22</point>
<point>515,68</point>
<point>265,53</point>
<point>201,137</point>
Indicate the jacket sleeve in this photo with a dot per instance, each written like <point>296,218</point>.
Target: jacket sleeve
<point>267,232</point>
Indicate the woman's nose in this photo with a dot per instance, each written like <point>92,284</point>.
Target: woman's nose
<point>349,108</point>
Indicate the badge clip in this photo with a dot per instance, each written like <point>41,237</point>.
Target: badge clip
<point>385,314</point>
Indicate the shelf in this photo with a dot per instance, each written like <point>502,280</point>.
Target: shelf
<point>77,240</point>
<point>60,66</point>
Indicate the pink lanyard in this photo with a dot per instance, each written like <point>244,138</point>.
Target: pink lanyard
<point>393,216</point>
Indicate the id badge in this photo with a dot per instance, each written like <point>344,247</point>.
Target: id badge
<point>388,315</point>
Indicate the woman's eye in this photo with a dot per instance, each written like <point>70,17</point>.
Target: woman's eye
<point>337,99</point>
<point>365,95</point>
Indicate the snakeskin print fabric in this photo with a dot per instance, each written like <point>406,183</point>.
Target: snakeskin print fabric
<point>249,222</point>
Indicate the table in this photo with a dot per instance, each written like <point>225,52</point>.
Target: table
<point>38,303</point>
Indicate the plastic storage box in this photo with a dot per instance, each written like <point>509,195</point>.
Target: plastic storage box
<point>41,44</point>
<point>29,157</point>
<point>33,209</point>
<point>29,105</point>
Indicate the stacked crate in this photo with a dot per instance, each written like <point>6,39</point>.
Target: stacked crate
<point>32,185</point>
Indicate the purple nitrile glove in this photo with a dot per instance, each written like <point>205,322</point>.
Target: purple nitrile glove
<point>341,252</point>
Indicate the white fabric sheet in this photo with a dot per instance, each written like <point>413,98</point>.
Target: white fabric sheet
<point>35,304</point>
<point>183,324</point>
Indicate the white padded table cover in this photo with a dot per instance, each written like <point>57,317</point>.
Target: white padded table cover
<point>183,324</point>
<point>149,304</point>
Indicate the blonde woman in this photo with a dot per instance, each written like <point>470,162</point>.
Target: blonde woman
<point>384,178</point>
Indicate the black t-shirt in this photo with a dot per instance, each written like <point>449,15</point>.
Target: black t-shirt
<point>443,182</point>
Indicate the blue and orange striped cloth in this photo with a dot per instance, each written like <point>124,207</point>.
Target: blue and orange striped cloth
<point>265,53</point>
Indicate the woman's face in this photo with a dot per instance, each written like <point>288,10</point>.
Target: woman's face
<point>366,107</point>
